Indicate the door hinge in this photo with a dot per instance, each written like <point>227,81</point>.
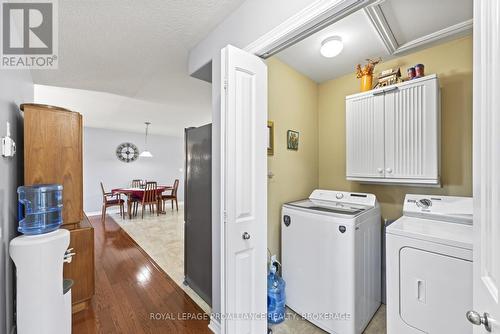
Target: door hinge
<point>225,84</point>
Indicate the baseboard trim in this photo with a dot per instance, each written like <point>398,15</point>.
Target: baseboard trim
<point>114,210</point>
<point>214,326</point>
<point>98,213</point>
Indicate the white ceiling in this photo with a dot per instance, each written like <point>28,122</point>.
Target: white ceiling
<point>137,49</point>
<point>117,112</point>
<point>430,16</point>
<point>360,42</point>
<point>407,20</point>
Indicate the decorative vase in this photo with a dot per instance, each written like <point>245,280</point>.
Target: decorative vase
<point>366,82</point>
<point>365,73</point>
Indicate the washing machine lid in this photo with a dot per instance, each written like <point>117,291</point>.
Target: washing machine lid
<point>437,231</point>
<point>329,207</point>
<point>336,202</point>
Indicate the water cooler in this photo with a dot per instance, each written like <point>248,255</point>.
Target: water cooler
<point>43,298</point>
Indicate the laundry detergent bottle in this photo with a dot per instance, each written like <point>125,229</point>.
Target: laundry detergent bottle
<point>275,295</point>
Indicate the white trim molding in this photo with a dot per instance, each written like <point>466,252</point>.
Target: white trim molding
<point>384,31</point>
<point>214,326</point>
<point>311,19</point>
<point>115,210</point>
<point>323,13</point>
<point>459,29</point>
<point>379,22</point>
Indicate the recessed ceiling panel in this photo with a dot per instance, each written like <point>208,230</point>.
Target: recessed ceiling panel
<point>360,42</point>
<point>410,19</point>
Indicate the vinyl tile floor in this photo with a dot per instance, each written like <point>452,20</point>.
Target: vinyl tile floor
<point>295,325</point>
<point>162,238</point>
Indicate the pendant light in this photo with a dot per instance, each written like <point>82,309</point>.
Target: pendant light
<point>146,153</point>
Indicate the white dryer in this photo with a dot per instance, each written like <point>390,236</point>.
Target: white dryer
<point>331,246</point>
<point>429,266</point>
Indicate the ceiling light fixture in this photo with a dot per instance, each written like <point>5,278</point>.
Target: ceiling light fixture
<point>146,153</point>
<point>331,46</point>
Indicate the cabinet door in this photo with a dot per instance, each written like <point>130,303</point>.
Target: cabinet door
<point>81,269</point>
<point>53,154</point>
<point>365,137</point>
<point>412,131</point>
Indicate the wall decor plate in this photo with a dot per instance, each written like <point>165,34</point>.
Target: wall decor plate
<point>127,152</point>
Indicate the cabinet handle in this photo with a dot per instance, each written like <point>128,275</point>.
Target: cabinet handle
<point>393,88</point>
<point>380,170</point>
<point>388,90</point>
<point>389,170</point>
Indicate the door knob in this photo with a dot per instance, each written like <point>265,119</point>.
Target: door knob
<point>246,236</point>
<point>478,320</point>
<point>380,170</point>
<point>388,170</point>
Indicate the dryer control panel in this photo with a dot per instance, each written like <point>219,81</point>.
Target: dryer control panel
<point>446,208</point>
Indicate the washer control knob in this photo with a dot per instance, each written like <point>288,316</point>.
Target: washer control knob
<point>424,203</point>
<point>339,195</point>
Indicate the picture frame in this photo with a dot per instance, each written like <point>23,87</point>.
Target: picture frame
<point>292,140</point>
<point>270,138</point>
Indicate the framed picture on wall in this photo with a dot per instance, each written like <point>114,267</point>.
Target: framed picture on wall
<point>292,139</point>
<point>270,138</point>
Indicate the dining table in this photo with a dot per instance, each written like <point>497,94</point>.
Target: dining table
<point>138,193</point>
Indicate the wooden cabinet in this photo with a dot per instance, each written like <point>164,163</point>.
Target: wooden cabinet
<point>81,268</point>
<point>393,133</point>
<point>53,154</point>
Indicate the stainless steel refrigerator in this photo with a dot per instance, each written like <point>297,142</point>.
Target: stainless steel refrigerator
<point>198,211</point>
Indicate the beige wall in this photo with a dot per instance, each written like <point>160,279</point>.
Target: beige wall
<point>293,105</point>
<point>452,62</point>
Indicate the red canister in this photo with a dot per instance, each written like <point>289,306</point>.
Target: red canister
<point>419,70</point>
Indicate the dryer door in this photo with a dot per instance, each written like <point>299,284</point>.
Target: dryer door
<point>435,291</point>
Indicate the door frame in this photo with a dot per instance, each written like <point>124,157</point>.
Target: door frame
<point>311,19</point>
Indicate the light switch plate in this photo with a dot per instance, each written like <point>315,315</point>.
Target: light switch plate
<point>8,144</point>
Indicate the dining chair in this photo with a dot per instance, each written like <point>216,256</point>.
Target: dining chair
<point>109,200</point>
<point>151,198</point>
<point>136,183</point>
<point>172,197</point>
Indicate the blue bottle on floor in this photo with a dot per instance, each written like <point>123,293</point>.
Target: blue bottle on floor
<point>276,298</point>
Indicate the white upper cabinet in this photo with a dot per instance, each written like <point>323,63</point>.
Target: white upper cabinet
<point>365,136</point>
<point>393,133</point>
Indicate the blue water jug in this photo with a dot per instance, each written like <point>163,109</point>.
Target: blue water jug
<point>39,208</point>
<point>276,298</point>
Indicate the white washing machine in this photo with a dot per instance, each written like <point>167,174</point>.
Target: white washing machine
<point>331,246</point>
<point>429,266</point>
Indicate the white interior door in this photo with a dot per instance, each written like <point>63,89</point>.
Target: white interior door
<point>244,161</point>
<point>486,167</point>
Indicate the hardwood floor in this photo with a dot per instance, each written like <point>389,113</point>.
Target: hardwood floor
<point>133,295</point>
